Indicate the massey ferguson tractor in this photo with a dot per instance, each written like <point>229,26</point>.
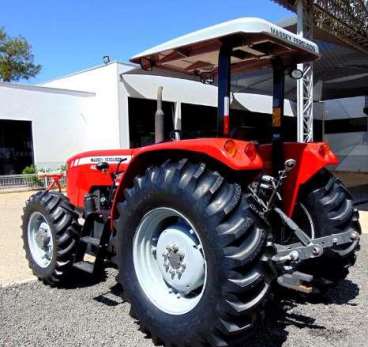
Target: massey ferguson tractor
<point>203,230</point>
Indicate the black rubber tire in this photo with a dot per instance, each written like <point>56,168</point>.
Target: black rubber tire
<point>234,241</point>
<point>63,223</point>
<point>331,207</point>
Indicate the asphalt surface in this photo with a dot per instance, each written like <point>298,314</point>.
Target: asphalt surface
<point>33,314</point>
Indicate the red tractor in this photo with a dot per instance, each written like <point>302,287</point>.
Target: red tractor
<point>202,230</point>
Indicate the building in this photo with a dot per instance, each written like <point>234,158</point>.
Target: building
<point>113,106</point>
<point>109,106</point>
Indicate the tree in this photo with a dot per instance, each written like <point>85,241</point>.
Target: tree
<point>16,58</point>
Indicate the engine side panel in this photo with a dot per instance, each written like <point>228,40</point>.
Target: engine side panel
<point>82,174</point>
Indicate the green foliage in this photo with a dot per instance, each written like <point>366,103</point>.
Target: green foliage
<point>16,58</point>
<point>32,170</point>
<point>28,170</point>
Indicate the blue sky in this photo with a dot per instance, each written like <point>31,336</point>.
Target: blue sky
<point>71,35</point>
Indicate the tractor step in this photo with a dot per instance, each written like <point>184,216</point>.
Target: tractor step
<point>93,246</point>
<point>85,266</point>
<point>89,240</point>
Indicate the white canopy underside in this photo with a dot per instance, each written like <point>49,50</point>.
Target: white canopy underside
<point>256,42</point>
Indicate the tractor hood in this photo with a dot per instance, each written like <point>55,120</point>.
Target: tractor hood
<point>255,42</point>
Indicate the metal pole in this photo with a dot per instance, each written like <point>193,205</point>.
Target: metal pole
<point>305,84</point>
<point>224,79</point>
<point>299,83</point>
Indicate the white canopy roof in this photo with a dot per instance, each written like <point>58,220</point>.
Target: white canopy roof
<point>255,43</point>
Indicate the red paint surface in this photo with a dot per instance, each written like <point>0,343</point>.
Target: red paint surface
<point>310,159</point>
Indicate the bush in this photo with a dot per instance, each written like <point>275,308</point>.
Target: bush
<point>32,170</point>
<point>29,170</point>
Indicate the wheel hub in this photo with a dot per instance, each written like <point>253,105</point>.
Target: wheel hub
<point>42,236</point>
<point>169,260</point>
<point>180,259</point>
<point>173,260</point>
<point>40,239</point>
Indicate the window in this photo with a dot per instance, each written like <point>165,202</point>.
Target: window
<point>198,121</point>
<point>142,121</point>
<point>16,146</point>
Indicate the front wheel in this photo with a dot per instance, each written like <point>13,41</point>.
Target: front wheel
<point>50,235</point>
<point>326,208</point>
<point>190,256</point>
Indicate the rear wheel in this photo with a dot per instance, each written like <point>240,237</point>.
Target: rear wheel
<point>326,208</point>
<point>190,256</point>
<point>50,233</point>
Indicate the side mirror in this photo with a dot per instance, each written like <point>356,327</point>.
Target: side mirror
<point>102,166</point>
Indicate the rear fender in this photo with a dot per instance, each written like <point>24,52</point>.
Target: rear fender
<point>212,149</point>
<point>310,159</point>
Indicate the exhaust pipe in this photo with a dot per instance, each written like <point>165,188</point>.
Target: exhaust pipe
<point>159,118</point>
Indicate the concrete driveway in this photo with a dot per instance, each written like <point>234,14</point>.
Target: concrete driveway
<point>13,266</point>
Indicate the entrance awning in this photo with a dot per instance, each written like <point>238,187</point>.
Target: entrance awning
<point>342,70</point>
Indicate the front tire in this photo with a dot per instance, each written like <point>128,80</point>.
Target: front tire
<point>331,211</point>
<point>50,231</point>
<point>222,307</point>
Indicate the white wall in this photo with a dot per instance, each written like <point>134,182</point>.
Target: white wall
<point>58,118</point>
<point>103,123</point>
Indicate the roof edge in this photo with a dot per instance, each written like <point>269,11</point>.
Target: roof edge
<point>46,89</point>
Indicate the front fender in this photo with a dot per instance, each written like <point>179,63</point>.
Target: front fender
<point>213,148</point>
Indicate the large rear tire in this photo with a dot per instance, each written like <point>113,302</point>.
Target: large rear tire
<point>187,206</point>
<point>329,208</point>
<point>50,233</point>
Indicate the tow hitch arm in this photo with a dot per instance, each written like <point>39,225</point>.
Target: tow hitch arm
<point>310,248</point>
<point>264,197</point>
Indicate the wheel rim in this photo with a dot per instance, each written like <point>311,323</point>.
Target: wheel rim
<point>169,261</point>
<point>40,239</point>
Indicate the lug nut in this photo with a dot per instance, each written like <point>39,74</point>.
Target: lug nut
<point>316,251</point>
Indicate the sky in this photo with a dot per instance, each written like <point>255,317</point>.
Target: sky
<point>72,35</point>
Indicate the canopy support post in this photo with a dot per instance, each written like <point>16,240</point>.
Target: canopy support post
<point>277,115</point>
<point>223,102</point>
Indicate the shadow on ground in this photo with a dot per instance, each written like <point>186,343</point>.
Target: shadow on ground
<point>279,314</point>
<point>81,279</point>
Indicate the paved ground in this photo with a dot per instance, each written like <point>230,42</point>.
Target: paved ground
<point>13,266</point>
<point>32,314</point>
<point>94,314</point>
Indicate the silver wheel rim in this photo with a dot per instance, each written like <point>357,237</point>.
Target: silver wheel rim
<point>40,239</point>
<point>169,261</point>
<point>310,221</point>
